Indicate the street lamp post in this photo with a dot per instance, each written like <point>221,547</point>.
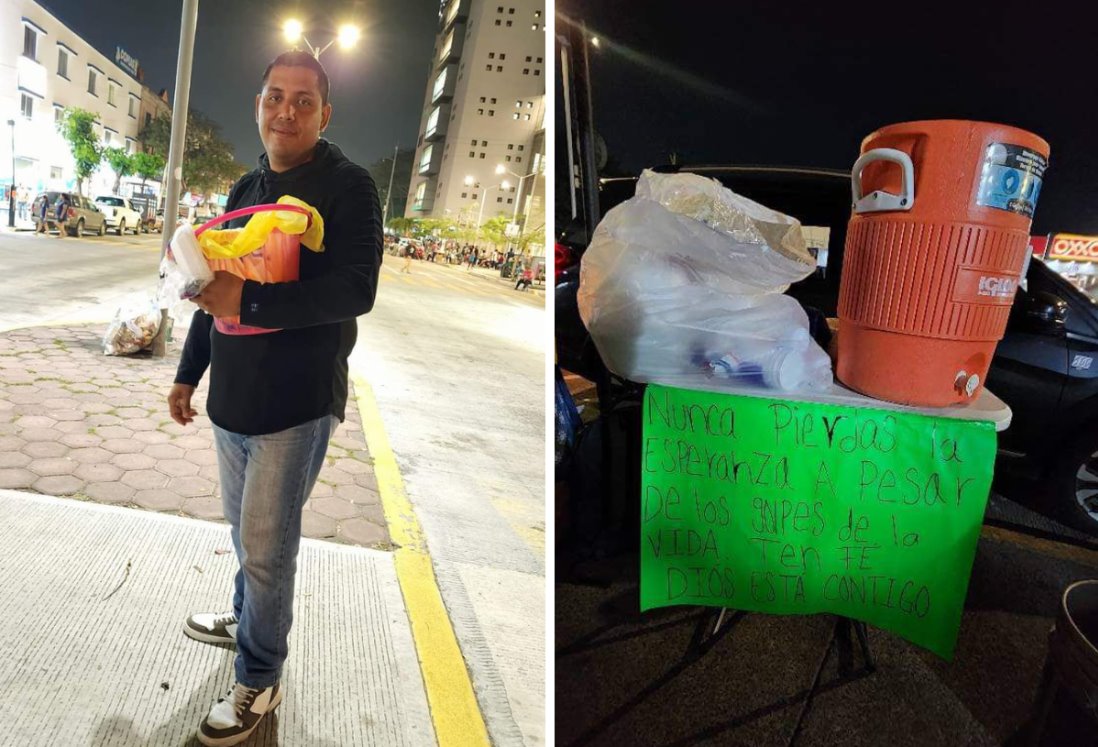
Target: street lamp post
<point>483,198</point>
<point>347,36</point>
<point>11,194</point>
<point>501,169</point>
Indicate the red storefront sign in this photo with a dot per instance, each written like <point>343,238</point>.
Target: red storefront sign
<point>1069,247</point>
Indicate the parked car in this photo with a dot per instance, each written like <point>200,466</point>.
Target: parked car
<point>82,217</point>
<point>120,213</point>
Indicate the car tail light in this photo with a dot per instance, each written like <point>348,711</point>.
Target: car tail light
<point>563,257</point>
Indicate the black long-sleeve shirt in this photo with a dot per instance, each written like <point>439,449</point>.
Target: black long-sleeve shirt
<point>269,382</point>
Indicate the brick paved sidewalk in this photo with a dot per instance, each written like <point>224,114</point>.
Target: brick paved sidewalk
<point>79,424</point>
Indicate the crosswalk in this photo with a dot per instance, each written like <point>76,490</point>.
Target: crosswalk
<point>440,278</point>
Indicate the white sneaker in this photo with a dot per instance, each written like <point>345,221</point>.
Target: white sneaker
<point>234,717</point>
<point>212,628</point>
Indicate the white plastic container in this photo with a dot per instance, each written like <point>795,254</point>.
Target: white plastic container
<point>196,273</point>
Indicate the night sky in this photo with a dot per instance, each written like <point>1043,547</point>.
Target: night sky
<point>377,88</point>
<point>801,83</point>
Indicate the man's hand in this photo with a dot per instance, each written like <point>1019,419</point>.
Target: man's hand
<point>179,403</point>
<point>221,298</point>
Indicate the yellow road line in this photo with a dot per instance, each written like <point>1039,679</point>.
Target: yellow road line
<point>454,709</point>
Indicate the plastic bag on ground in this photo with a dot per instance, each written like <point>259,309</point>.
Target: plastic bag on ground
<point>683,285</point>
<point>133,328</point>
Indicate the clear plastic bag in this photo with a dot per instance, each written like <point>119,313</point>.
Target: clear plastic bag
<point>683,285</point>
<point>134,326</point>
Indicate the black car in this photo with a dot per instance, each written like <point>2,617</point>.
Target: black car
<point>1043,368</point>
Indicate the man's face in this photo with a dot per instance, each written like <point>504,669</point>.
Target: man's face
<point>290,115</point>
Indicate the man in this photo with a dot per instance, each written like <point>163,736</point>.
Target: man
<point>275,398</point>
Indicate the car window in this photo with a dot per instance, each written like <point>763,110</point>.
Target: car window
<point>115,201</point>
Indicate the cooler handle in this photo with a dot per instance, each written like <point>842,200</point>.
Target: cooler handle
<point>880,200</point>
<point>233,214</point>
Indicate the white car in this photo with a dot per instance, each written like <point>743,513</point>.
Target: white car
<point>120,213</point>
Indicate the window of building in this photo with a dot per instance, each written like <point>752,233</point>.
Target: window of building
<point>518,103</point>
<point>539,59</point>
<point>30,42</point>
<point>509,200</point>
<point>491,55</point>
<point>522,147</point>
<point>110,92</point>
<point>535,27</point>
<point>491,112</point>
<point>440,85</point>
<point>518,159</point>
<point>62,63</point>
<point>510,11</point>
<point>58,113</point>
<point>508,159</point>
<point>484,143</point>
<point>526,71</point>
<point>474,196</point>
<point>503,56</point>
<point>499,199</point>
<point>499,68</point>
<point>148,119</point>
<point>92,81</point>
<point>515,115</point>
<point>55,172</point>
<point>508,24</point>
<point>529,104</point>
<point>482,155</point>
<point>488,68</point>
<point>510,146</point>
<point>425,159</point>
<point>464,195</point>
<point>526,117</point>
<point>537,14</point>
<point>529,59</point>
<point>480,111</point>
<point>537,71</point>
<point>482,99</point>
<point>499,9</point>
<point>421,190</point>
<point>133,107</point>
<point>474,142</point>
<point>472,154</point>
<point>499,22</point>
<point>26,105</point>
<point>108,136</point>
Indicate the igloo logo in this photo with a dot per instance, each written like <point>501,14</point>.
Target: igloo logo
<point>996,287</point>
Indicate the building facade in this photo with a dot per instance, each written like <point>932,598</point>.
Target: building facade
<point>484,108</point>
<point>44,68</point>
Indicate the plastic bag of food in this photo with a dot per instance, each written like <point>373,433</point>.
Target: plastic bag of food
<point>684,285</point>
<point>134,326</point>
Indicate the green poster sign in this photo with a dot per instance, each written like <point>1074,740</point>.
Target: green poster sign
<point>796,508</point>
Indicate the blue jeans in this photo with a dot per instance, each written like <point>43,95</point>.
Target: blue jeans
<point>265,481</point>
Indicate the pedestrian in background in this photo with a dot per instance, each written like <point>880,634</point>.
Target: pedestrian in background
<point>276,398</point>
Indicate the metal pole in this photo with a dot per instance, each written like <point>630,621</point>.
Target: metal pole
<point>175,154</point>
<point>389,192</point>
<point>480,215</point>
<point>11,194</point>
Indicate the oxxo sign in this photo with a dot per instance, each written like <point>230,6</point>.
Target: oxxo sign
<point>1073,248</point>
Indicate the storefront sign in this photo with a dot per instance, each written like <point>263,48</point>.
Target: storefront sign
<point>1072,248</point>
<point>126,62</point>
<point>798,508</point>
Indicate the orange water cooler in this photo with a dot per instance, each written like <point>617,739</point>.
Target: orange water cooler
<point>935,249</point>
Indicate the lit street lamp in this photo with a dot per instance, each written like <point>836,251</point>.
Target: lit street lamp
<point>501,169</point>
<point>347,36</point>
<point>484,196</point>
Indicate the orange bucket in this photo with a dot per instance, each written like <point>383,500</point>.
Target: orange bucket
<point>935,249</point>
<point>277,261</point>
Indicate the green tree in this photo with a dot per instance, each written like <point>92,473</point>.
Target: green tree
<point>494,231</point>
<point>77,127</point>
<point>120,162</point>
<point>148,166</point>
<point>208,162</point>
<point>402,225</point>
